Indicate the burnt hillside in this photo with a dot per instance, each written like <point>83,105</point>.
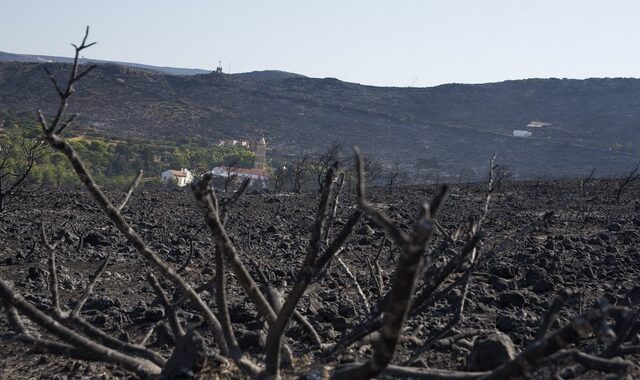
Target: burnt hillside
<point>595,121</point>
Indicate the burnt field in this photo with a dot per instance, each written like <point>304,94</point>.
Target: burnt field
<point>537,239</point>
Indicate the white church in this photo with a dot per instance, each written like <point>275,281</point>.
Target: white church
<point>259,171</point>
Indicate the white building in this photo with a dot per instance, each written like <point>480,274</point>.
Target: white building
<point>259,171</point>
<point>252,174</point>
<point>181,177</point>
<point>538,124</point>
<point>518,133</point>
<point>223,171</point>
<point>242,143</point>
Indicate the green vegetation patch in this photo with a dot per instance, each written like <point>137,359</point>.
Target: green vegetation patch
<point>114,162</point>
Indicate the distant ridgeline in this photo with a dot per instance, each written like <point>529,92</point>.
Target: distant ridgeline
<point>115,162</point>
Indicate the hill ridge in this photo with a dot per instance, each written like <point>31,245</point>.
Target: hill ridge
<point>594,122</point>
<point>168,70</point>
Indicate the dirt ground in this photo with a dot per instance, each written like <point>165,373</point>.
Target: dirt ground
<point>590,244</point>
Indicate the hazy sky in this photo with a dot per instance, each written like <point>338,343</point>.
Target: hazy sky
<point>391,43</point>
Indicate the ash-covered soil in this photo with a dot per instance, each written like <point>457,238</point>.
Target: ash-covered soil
<point>590,245</point>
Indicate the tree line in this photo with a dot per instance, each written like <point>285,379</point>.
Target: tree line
<point>113,162</point>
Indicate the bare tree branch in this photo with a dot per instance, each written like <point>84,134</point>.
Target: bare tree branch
<point>89,288</point>
<point>626,181</point>
<point>52,136</point>
<point>208,203</point>
<point>334,208</point>
<point>410,262</point>
<point>590,362</point>
<point>223,311</point>
<point>416,372</point>
<point>79,324</point>
<point>306,274</point>
<point>550,317</point>
<point>353,278</point>
<point>53,271</point>
<point>275,298</point>
<point>132,187</point>
<point>105,354</point>
<point>174,321</point>
<point>535,353</point>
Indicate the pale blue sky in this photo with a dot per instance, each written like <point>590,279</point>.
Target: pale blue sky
<point>372,42</point>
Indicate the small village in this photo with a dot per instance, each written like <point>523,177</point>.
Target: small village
<point>257,175</point>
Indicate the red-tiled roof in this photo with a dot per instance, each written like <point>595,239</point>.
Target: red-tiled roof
<point>256,172</point>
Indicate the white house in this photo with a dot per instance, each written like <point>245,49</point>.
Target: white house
<point>538,124</point>
<point>181,177</point>
<point>242,143</point>
<point>518,133</point>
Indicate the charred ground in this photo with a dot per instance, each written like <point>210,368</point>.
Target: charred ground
<point>590,244</point>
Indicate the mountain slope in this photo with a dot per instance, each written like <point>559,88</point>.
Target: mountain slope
<point>595,122</point>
